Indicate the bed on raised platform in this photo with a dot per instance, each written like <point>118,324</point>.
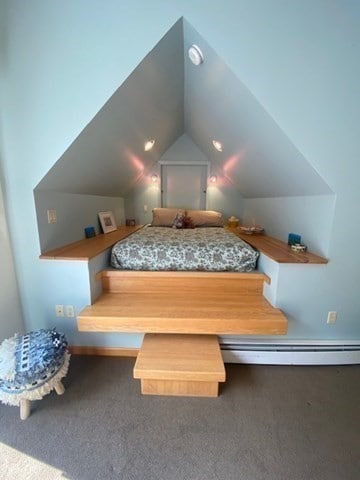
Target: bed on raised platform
<point>200,281</point>
<point>182,287</point>
<point>168,245</point>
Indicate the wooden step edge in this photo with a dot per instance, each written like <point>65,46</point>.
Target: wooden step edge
<point>240,313</point>
<point>157,315</point>
<point>103,351</point>
<point>192,359</point>
<point>188,376</point>
<point>274,326</point>
<point>182,274</point>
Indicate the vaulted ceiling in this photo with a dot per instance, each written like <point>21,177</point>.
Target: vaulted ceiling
<point>167,96</point>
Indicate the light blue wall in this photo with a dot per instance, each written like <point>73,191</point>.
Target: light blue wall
<point>310,217</point>
<point>74,213</point>
<point>299,59</point>
<point>73,283</point>
<point>11,320</point>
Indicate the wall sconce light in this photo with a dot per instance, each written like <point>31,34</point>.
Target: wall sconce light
<point>148,145</point>
<point>154,178</point>
<point>217,145</point>
<point>213,179</point>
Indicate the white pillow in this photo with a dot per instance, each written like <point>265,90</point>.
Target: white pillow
<point>205,218</point>
<point>164,217</point>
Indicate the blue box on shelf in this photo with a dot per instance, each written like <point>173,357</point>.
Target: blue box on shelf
<point>294,238</point>
<point>89,232</point>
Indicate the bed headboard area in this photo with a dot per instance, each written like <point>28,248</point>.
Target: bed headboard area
<point>182,218</point>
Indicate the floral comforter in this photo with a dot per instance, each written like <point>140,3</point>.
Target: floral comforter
<point>200,249</point>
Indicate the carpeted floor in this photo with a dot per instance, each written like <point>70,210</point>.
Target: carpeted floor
<point>269,423</point>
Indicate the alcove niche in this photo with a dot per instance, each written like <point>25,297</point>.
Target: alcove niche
<point>261,176</point>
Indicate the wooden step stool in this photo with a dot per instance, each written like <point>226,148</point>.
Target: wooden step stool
<point>183,365</point>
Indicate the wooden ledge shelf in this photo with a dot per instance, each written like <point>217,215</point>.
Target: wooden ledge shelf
<point>88,248</point>
<point>277,250</point>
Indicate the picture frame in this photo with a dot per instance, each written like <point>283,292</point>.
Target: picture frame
<point>107,221</point>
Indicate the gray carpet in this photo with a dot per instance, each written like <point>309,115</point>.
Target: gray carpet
<point>270,422</point>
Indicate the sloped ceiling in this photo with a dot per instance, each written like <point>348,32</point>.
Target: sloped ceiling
<point>167,96</point>
<point>108,156</point>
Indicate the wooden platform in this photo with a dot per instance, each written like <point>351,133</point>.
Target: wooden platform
<point>88,248</point>
<point>181,313</point>
<point>183,302</point>
<point>277,250</point>
<point>183,365</point>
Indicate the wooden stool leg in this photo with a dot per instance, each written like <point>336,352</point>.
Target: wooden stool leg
<point>25,406</point>
<point>59,388</point>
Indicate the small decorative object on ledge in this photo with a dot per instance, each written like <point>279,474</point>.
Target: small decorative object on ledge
<point>298,247</point>
<point>107,221</point>
<point>233,222</point>
<point>251,230</point>
<point>130,222</point>
<point>89,232</point>
<point>294,238</point>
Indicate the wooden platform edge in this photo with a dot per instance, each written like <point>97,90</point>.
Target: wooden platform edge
<point>254,275</point>
<point>104,351</point>
<point>278,250</point>
<point>276,325</point>
<point>87,248</point>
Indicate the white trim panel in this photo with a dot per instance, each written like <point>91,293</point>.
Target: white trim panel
<point>236,342</point>
<point>293,357</point>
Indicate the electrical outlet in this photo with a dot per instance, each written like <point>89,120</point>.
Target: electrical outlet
<point>331,318</point>
<point>51,216</point>
<point>59,310</point>
<point>69,310</point>
<point>145,208</point>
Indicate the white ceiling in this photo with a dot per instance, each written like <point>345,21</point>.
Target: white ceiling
<point>167,96</point>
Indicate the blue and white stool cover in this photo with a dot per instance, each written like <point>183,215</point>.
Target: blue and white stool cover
<point>31,366</point>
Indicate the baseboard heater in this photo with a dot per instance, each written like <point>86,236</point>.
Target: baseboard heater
<point>331,353</point>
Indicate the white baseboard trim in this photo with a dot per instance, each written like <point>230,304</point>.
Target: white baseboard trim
<point>298,353</point>
<point>264,353</point>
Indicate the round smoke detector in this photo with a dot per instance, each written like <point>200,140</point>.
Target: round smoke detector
<point>195,55</point>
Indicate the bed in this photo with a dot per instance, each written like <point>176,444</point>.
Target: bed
<point>179,240</point>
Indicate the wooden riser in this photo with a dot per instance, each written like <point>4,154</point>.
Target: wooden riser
<point>182,365</point>
<point>160,283</point>
<point>179,388</point>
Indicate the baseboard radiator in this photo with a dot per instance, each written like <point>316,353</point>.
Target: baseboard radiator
<point>302,353</point>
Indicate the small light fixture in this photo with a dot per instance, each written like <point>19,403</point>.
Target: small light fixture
<point>148,145</point>
<point>195,55</point>
<point>154,178</point>
<point>213,178</point>
<point>217,145</point>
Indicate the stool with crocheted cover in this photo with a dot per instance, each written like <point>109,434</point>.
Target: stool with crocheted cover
<point>31,366</point>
